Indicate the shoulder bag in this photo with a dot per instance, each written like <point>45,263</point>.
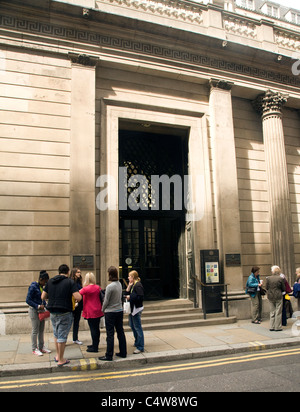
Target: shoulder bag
<point>44,315</point>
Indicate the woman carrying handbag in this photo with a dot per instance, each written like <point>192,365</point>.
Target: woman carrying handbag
<point>135,296</point>
<point>253,288</point>
<point>36,307</point>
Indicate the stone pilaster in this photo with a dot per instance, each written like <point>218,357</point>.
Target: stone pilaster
<point>270,105</point>
<point>225,178</point>
<point>82,156</point>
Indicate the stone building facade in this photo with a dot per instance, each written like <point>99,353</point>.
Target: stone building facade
<point>208,89</point>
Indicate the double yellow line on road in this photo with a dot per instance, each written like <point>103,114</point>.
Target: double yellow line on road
<point>72,378</point>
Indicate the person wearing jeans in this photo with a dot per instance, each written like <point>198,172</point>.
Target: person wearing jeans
<point>113,310</point>
<point>36,304</point>
<point>135,322</point>
<point>135,295</point>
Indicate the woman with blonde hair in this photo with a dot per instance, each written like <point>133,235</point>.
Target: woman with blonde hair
<point>135,295</point>
<point>92,309</point>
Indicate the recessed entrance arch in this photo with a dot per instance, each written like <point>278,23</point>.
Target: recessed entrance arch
<point>194,234</point>
<point>152,226</point>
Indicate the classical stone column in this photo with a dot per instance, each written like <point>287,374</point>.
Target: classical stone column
<point>225,179</point>
<point>269,105</point>
<point>82,156</point>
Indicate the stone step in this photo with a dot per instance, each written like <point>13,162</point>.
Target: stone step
<point>168,304</point>
<point>177,313</point>
<point>185,324</point>
<point>168,314</point>
<point>171,313</point>
<point>14,307</point>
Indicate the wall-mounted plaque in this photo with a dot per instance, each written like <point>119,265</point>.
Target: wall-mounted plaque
<point>233,259</point>
<point>83,262</point>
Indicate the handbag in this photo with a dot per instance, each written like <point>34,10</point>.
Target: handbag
<point>126,308</point>
<point>263,291</point>
<point>251,290</point>
<point>44,315</point>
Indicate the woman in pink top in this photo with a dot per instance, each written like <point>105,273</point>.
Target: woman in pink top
<point>92,309</point>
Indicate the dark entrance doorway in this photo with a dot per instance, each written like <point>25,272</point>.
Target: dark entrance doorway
<point>151,237</point>
<point>150,246</point>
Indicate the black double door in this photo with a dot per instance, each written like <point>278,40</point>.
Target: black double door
<point>150,246</point>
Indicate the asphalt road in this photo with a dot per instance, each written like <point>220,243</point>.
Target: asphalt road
<point>268,371</point>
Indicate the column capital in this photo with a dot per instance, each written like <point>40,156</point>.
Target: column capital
<point>270,103</point>
<point>83,59</point>
<point>220,84</point>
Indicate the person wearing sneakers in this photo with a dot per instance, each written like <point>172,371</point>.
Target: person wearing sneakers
<point>36,304</point>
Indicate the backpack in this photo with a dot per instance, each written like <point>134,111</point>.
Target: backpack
<point>296,290</point>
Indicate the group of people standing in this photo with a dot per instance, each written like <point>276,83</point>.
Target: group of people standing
<point>277,290</point>
<point>68,298</point>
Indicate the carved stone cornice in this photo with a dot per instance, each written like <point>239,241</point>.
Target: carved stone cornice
<point>270,103</point>
<point>83,59</point>
<point>179,10</point>
<point>241,27</point>
<point>287,40</point>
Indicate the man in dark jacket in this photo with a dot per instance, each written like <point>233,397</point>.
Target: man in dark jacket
<point>275,288</point>
<point>59,290</point>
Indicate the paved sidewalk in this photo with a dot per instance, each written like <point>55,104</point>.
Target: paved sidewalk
<point>160,346</point>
